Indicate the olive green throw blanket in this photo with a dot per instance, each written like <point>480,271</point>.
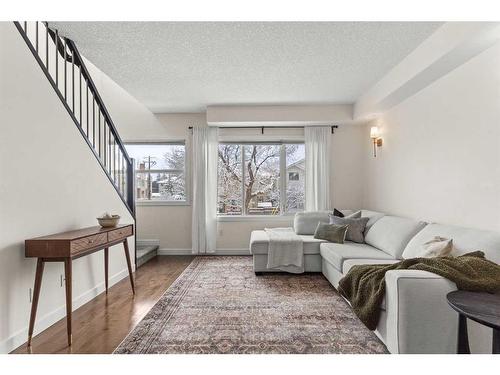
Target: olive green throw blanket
<point>364,285</point>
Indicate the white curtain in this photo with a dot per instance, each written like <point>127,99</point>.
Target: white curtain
<point>204,222</point>
<point>318,155</point>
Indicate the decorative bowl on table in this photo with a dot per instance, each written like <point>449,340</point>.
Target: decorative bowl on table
<point>108,221</point>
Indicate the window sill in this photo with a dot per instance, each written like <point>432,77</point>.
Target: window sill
<point>235,218</point>
<point>162,203</point>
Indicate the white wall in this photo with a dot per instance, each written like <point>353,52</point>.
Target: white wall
<point>441,155</point>
<point>50,182</point>
<point>132,119</point>
<point>244,115</point>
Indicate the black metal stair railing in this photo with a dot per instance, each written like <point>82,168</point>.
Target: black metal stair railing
<point>66,71</point>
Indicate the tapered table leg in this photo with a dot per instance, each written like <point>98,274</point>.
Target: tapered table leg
<point>106,267</point>
<point>463,337</point>
<point>69,297</point>
<point>36,294</point>
<point>496,341</point>
<point>125,246</point>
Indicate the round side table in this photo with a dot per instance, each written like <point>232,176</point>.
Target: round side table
<point>483,308</point>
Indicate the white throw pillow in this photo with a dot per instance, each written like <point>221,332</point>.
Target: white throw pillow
<point>437,247</point>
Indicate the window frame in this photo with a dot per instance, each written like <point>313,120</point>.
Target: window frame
<point>187,200</point>
<point>283,215</point>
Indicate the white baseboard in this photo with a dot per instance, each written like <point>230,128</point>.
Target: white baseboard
<point>44,322</point>
<point>217,252</point>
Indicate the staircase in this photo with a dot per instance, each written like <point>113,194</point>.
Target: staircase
<point>65,69</point>
<point>146,250</point>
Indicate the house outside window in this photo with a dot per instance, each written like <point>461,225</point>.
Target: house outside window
<point>260,179</point>
<point>160,172</point>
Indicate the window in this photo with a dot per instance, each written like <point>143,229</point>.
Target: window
<point>295,187</point>
<point>251,179</point>
<point>160,170</point>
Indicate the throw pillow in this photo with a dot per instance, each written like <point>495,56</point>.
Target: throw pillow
<point>355,229</point>
<point>331,232</point>
<point>437,247</point>
<point>337,213</point>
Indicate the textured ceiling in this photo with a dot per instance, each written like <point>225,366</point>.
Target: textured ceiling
<point>185,66</point>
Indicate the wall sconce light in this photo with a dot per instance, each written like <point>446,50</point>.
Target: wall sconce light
<point>377,141</point>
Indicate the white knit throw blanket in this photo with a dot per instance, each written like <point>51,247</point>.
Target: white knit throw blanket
<point>286,251</point>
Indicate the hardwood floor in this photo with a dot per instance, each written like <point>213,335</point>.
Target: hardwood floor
<point>101,324</point>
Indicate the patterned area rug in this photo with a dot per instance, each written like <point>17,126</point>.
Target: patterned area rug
<point>218,305</point>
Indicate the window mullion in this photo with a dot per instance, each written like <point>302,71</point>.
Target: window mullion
<point>150,186</point>
<point>243,206</point>
<point>282,179</point>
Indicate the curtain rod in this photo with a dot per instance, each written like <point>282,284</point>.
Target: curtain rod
<point>269,127</point>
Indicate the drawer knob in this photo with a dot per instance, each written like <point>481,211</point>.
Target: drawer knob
<point>91,241</point>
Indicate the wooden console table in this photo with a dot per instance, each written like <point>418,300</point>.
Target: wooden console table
<point>64,247</point>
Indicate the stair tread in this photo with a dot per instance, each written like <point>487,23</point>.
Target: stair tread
<point>145,254</point>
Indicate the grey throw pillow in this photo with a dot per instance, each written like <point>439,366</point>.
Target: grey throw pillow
<point>331,232</point>
<point>355,227</point>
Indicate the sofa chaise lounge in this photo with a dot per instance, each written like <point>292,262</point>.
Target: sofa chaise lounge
<point>415,316</point>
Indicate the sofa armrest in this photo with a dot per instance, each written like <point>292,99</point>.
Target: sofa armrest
<point>419,319</point>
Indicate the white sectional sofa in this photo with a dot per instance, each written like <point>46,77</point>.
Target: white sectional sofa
<point>415,316</point>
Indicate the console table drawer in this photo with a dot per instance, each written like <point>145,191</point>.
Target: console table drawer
<point>88,242</point>
<point>119,233</point>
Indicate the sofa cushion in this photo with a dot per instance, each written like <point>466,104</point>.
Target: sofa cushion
<point>391,234</point>
<point>373,216</point>
<point>464,240</point>
<point>306,222</point>
<point>259,242</point>
<point>336,254</point>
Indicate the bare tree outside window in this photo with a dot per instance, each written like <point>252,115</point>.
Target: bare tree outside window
<point>262,179</point>
<point>250,182</point>
<point>295,184</point>
<point>230,179</point>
